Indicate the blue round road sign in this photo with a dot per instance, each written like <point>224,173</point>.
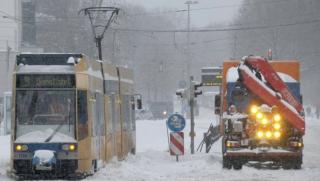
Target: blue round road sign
<point>176,122</point>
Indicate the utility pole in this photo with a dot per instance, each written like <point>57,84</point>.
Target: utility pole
<point>7,66</point>
<point>192,134</point>
<point>188,3</point>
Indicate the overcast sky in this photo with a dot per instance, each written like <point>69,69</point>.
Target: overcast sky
<point>199,18</point>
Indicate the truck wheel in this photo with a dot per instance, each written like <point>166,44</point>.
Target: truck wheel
<point>226,163</point>
<point>237,165</point>
<point>133,151</point>
<point>298,163</point>
<point>287,165</point>
<point>297,166</point>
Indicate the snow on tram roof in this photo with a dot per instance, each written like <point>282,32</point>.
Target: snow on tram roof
<point>61,69</point>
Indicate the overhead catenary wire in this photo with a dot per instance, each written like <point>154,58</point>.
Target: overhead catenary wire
<point>208,8</point>
<point>219,29</point>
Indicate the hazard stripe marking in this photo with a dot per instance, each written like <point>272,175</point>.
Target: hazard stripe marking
<point>176,143</point>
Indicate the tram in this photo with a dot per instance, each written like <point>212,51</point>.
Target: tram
<point>70,116</point>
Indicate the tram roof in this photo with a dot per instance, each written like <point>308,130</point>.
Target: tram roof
<point>46,58</point>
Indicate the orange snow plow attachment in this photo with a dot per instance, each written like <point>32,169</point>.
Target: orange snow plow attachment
<point>278,95</point>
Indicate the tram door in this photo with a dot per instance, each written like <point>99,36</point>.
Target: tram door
<point>113,122</point>
<point>96,126</point>
<point>99,125</point>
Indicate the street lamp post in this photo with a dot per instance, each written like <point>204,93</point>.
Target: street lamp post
<point>188,3</point>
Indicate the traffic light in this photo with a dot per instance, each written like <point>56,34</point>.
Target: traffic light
<point>195,87</point>
<point>182,93</point>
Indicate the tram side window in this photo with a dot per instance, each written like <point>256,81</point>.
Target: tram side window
<point>133,115</point>
<point>82,114</point>
<point>98,127</point>
<point>126,112</point>
<point>112,120</point>
<point>100,114</point>
<point>117,114</point>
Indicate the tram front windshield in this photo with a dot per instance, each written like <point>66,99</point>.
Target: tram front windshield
<point>42,113</point>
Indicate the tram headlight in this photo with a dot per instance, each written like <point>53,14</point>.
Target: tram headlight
<point>69,147</point>
<point>20,147</point>
<point>72,147</point>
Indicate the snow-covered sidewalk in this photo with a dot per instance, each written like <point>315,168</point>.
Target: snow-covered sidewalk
<point>153,162</point>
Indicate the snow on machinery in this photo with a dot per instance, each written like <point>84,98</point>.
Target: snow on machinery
<point>262,114</point>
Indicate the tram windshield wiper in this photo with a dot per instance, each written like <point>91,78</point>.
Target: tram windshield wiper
<point>61,124</point>
<point>54,133</point>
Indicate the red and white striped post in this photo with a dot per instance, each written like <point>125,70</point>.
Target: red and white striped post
<point>177,144</point>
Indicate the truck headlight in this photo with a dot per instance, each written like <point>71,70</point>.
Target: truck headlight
<point>277,117</point>
<point>20,147</point>
<point>259,115</point>
<point>254,109</point>
<point>260,134</point>
<point>276,126</point>
<point>268,134</point>
<point>277,134</point>
<point>296,144</point>
<point>264,121</point>
<point>232,144</point>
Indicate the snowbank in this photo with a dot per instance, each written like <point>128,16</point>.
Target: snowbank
<point>4,156</point>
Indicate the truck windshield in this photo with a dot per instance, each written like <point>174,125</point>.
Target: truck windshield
<point>40,112</point>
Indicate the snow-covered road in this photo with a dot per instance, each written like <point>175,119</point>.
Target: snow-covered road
<point>153,162</point>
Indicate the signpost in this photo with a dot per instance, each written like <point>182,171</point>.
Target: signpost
<point>176,123</point>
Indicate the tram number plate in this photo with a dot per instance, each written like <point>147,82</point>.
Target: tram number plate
<point>21,155</point>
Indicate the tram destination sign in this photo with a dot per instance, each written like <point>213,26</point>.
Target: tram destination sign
<point>45,81</point>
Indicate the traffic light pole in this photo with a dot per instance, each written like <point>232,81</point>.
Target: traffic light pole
<point>191,93</point>
<point>192,134</point>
